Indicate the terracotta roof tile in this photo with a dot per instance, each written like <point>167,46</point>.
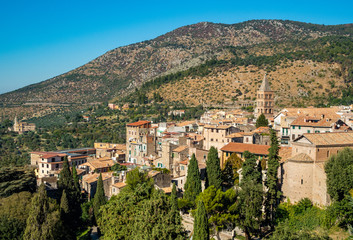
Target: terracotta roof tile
<point>119,185</point>
<point>331,138</point>
<point>139,123</point>
<point>180,148</point>
<point>301,157</point>
<point>242,147</point>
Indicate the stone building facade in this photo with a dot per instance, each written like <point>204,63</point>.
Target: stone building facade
<point>265,100</point>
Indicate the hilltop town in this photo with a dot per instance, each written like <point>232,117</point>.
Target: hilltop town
<point>307,137</point>
<point>210,131</point>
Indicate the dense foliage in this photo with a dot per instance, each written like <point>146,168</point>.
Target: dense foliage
<point>140,212</point>
<point>193,181</point>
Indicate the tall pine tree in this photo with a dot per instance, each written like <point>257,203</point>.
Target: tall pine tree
<point>250,196</point>
<point>214,174</point>
<point>201,230</point>
<point>99,197</point>
<point>43,222</point>
<point>273,194</point>
<point>175,215</point>
<point>193,181</point>
<point>65,180</point>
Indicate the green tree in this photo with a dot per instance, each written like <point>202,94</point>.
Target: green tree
<point>250,197</point>
<point>135,177</point>
<point>175,215</point>
<point>138,213</point>
<point>261,121</point>
<point>220,208</point>
<point>14,212</point>
<point>66,181</point>
<point>273,193</point>
<point>230,173</point>
<point>251,170</point>
<point>99,197</point>
<point>339,172</point>
<point>43,222</point>
<point>193,181</point>
<point>201,230</point>
<point>214,174</point>
<point>249,208</point>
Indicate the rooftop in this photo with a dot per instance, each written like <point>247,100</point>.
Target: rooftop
<point>301,157</point>
<point>331,138</point>
<point>180,148</point>
<point>91,178</point>
<point>242,147</point>
<point>138,124</point>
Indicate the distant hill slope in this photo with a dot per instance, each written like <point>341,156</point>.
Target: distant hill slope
<point>123,69</point>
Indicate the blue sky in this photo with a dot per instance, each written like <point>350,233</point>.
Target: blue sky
<point>42,39</point>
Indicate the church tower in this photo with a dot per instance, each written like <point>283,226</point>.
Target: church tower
<point>264,99</point>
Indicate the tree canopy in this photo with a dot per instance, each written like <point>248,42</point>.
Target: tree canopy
<point>261,121</point>
<point>214,174</point>
<point>193,181</point>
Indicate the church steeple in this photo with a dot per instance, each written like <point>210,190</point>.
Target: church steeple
<point>264,99</point>
<point>265,86</point>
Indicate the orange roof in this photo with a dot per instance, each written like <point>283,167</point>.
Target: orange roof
<point>331,138</point>
<point>314,121</point>
<point>119,185</point>
<point>167,189</point>
<point>242,147</point>
<point>139,123</point>
<point>285,153</point>
<point>262,130</point>
<point>185,123</point>
<point>180,148</point>
<point>218,127</point>
<point>91,178</point>
<point>94,164</point>
<point>184,162</point>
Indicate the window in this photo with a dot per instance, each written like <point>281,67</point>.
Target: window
<point>301,181</point>
<point>328,153</point>
<point>42,164</point>
<point>182,167</point>
<point>308,131</point>
<point>211,139</point>
<point>293,127</point>
<point>299,127</point>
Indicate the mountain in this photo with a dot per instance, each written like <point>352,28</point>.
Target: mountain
<point>122,70</point>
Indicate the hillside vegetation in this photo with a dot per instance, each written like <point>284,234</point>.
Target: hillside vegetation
<point>206,50</point>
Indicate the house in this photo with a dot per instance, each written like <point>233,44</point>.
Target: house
<point>97,165</point>
<point>303,173</point>
<point>161,180</point>
<point>140,141</point>
<point>261,151</point>
<point>216,135</point>
<point>49,164</point>
<point>117,187</point>
<point>115,151</point>
<point>89,183</point>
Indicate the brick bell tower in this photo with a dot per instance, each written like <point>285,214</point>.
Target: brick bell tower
<point>265,99</point>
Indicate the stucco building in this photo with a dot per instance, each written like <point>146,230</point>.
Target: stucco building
<point>303,174</point>
<point>265,100</point>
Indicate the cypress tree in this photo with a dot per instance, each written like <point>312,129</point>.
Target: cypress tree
<point>99,197</point>
<point>43,222</point>
<point>261,121</point>
<point>273,194</point>
<point>65,180</point>
<point>175,215</point>
<point>201,230</point>
<point>64,204</point>
<point>76,179</point>
<point>193,181</point>
<point>250,196</point>
<point>214,174</point>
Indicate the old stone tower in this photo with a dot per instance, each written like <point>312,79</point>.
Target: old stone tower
<point>264,99</point>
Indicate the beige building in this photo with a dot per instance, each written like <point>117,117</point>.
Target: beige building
<point>21,127</point>
<point>140,141</point>
<point>115,151</point>
<point>216,136</point>
<point>303,173</point>
<point>265,100</point>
